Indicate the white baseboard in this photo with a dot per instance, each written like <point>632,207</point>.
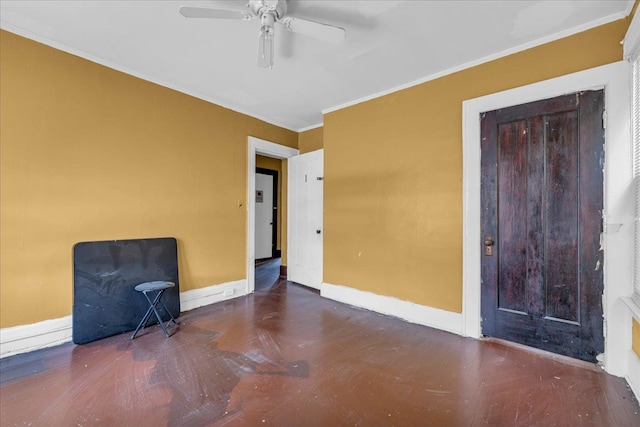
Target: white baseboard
<point>212,294</point>
<point>25,338</point>
<point>633,375</point>
<point>405,310</point>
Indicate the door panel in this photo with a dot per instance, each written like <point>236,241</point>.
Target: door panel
<point>306,216</point>
<point>541,220</point>
<point>512,238</point>
<point>534,217</point>
<point>561,236</point>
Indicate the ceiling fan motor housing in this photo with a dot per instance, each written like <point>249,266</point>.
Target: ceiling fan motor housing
<point>276,8</point>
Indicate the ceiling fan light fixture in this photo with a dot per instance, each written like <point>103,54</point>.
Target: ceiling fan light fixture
<point>265,44</point>
<point>265,50</point>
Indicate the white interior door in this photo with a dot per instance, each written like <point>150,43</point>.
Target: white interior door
<point>306,174</point>
<point>264,216</point>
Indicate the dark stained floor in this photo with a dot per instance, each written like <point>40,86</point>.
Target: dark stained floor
<point>285,356</point>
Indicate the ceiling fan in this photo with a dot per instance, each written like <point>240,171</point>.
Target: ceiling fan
<point>270,12</point>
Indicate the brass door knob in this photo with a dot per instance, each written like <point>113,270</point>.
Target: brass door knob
<point>488,245</point>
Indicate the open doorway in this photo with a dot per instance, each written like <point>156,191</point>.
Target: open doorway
<point>268,210</point>
<point>274,153</point>
<point>268,237</point>
<point>267,273</point>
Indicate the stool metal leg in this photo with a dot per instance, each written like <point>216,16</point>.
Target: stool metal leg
<point>144,320</point>
<point>152,308</point>
<point>155,311</point>
<point>169,313</point>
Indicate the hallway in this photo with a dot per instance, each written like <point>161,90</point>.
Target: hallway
<point>287,357</point>
<point>267,273</point>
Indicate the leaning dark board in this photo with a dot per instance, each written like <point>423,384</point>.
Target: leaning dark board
<point>105,274</point>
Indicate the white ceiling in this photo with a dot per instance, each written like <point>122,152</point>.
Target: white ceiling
<point>390,44</point>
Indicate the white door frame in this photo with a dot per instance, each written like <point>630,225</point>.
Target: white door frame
<point>617,240</point>
<point>270,149</point>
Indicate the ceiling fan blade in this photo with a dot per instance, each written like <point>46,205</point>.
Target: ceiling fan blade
<point>201,12</point>
<point>317,30</point>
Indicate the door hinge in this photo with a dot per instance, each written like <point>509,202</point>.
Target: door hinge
<point>604,119</point>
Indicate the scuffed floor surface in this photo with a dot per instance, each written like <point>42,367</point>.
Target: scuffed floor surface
<point>287,357</point>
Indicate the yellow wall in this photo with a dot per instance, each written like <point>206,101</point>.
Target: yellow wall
<point>276,165</point>
<point>88,153</point>
<point>393,172</point>
<point>636,337</point>
<point>311,140</point>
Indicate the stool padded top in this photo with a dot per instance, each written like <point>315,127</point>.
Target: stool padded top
<point>154,286</point>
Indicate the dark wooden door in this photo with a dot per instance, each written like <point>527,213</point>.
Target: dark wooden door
<point>542,200</point>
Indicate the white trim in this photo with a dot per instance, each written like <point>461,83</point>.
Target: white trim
<point>631,40</point>
<point>633,302</point>
<point>77,52</point>
<point>633,374</point>
<point>485,59</point>
<point>316,126</point>
<point>212,294</point>
<point>617,241</point>
<point>24,338</point>
<point>631,45</point>
<point>405,310</point>
<point>48,333</point>
<point>270,149</point>
<point>632,53</point>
